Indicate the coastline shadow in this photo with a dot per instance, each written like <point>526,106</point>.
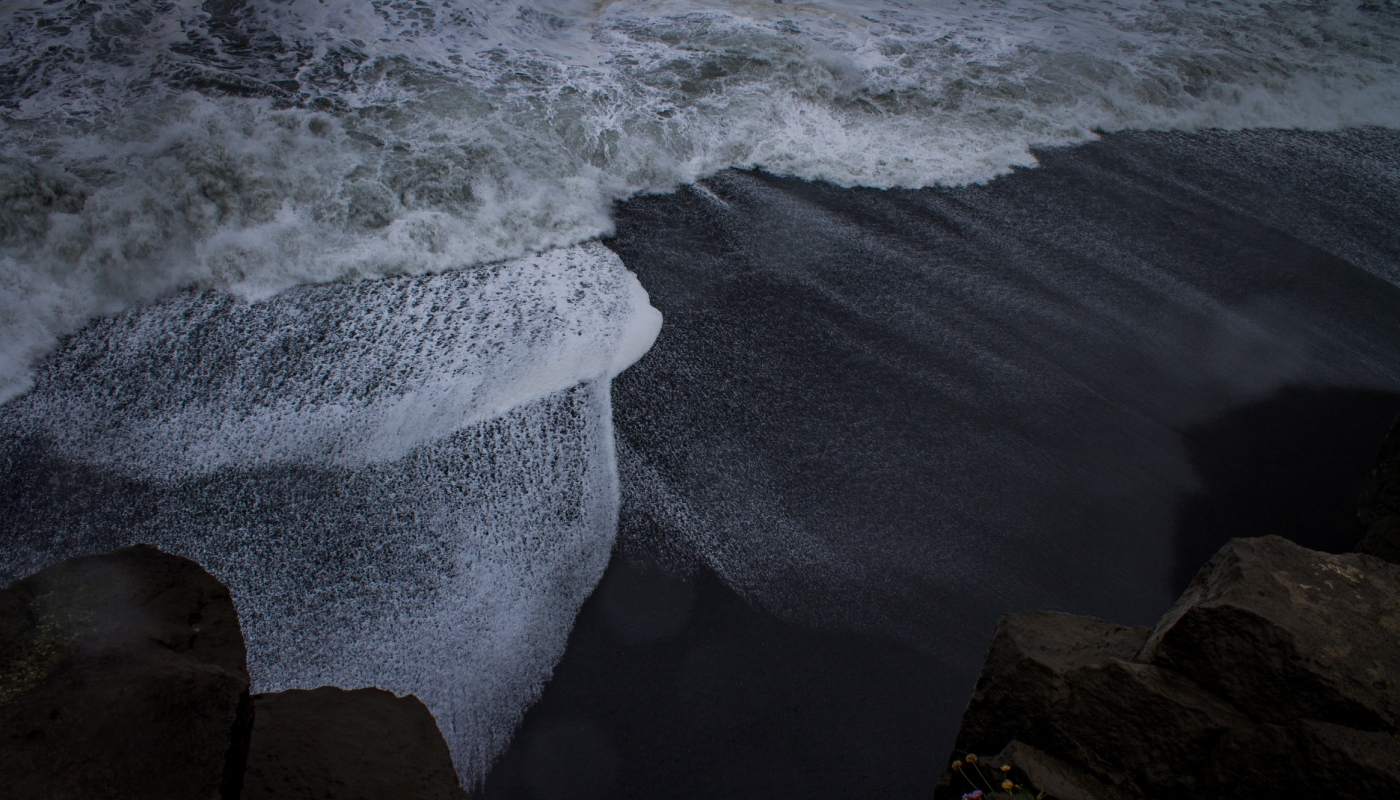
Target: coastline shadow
<point>673,686</point>
<point>1292,464</point>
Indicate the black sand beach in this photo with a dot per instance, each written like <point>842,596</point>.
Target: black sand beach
<point>874,421</point>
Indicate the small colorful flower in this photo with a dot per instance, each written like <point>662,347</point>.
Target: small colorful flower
<point>972,758</point>
<point>1008,785</point>
<point>973,795</point>
<point>957,765</point>
<point>1005,767</point>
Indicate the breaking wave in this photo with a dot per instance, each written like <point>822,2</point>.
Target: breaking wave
<point>147,145</point>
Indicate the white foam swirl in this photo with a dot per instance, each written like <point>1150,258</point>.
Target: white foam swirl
<point>407,483</point>
<point>149,145</point>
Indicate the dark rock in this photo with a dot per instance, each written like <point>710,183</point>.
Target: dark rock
<point>1288,633</point>
<point>122,676</point>
<point>1382,539</point>
<point>1066,687</point>
<point>334,744</point>
<point>1306,759</point>
<point>1380,502</point>
<point>1023,677</point>
<point>1026,686</point>
<point>1273,676</point>
<point>1152,726</point>
<point>1038,771</point>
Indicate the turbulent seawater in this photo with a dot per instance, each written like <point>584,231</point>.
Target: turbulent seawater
<point>149,146</point>
<point>313,292</point>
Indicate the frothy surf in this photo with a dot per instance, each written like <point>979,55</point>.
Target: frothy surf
<point>436,452</point>
<point>148,146</point>
<point>407,483</point>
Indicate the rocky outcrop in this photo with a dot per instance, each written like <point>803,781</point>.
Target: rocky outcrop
<point>1030,766</point>
<point>1306,758</point>
<point>122,676</point>
<point>1275,671</point>
<point>1380,502</point>
<point>333,744</point>
<point>1287,633</point>
<point>1025,686</point>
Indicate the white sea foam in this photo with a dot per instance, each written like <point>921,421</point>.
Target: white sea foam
<point>407,483</point>
<point>348,376</point>
<point>149,146</point>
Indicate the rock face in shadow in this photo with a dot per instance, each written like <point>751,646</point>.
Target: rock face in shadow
<point>334,744</point>
<point>1288,633</point>
<point>122,676</point>
<point>1030,766</point>
<point>1380,502</point>
<point>1306,758</point>
<point>1025,683</point>
<point>1275,671</point>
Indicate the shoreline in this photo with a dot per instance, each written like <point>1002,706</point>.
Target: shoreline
<point>898,414</point>
<point>873,421</point>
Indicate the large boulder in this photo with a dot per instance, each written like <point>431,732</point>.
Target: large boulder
<point>1067,687</point>
<point>334,744</point>
<point>1305,758</point>
<point>1149,729</point>
<point>1287,633</point>
<point>1274,675</point>
<point>1023,686</point>
<point>122,676</point>
<point>1380,502</point>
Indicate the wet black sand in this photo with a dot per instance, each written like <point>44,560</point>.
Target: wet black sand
<point>875,421</point>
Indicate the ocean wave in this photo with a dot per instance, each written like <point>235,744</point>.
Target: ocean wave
<point>147,145</point>
<point>407,483</point>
